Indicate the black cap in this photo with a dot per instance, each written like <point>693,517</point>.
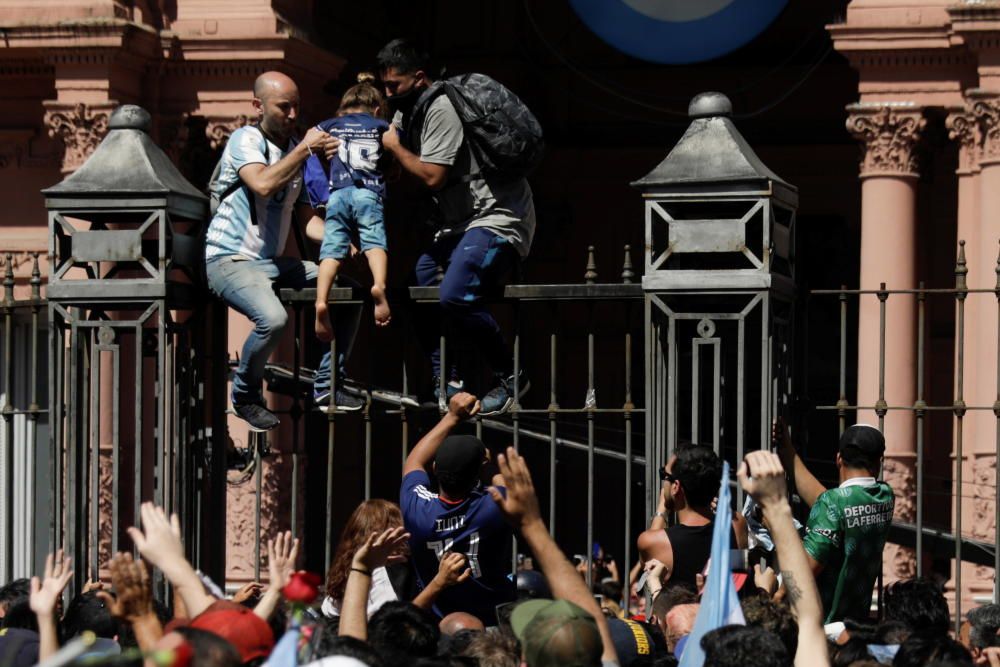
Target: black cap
<point>459,457</point>
<point>865,439</point>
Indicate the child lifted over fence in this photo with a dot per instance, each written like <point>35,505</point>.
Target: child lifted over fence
<point>351,189</point>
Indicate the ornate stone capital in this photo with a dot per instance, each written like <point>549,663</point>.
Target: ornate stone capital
<point>219,130</point>
<point>984,499</point>
<point>80,127</point>
<point>964,128</point>
<point>890,133</point>
<point>898,472</point>
<point>985,108</point>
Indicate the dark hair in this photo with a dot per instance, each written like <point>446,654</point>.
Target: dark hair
<point>850,652</point>
<point>699,471</point>
<point>493,649</point>
<point>670,596</point>
<point>328,643</point>
<point>984,622</point>
<point>922,649</point>
<point>403,56</point>
<point>919,604</point>
<point>87,611</point>
<point>739,645</point>
<point>19,615</point>
<point>774,617</point>
<point>611,590</point>
<point>210,650</point>
<point>400,632</point>
<point>13,592</point>
<point>852,457</point>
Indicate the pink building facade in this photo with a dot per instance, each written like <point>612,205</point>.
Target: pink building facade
<point>65,64</point>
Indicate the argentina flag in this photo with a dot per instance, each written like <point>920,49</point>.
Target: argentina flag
<point>719,603</point>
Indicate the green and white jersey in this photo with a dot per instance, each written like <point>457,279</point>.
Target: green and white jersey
<point>846,533</point>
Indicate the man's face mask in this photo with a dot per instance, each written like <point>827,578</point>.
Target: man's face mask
<point>404,101</point>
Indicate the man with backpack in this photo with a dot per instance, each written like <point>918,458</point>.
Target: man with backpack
<point>485,213</point>
<point>258,187</point>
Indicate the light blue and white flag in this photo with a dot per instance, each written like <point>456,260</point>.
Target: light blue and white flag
<point>286,651</point>
<point>719,603</point>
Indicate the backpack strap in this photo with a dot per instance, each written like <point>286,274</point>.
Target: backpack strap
<point>246,189</point>
<point>238,183</point>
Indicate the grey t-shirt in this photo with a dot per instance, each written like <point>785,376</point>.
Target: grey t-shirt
<point>505,208</point>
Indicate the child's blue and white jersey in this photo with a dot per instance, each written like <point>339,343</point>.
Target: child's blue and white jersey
<point>234,230</point>
<point>474,527</point>
<point>360,137</point>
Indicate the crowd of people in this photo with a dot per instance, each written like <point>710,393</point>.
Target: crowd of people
<point>425,581</point>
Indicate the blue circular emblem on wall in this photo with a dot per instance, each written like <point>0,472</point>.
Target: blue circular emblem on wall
<point>677,31</point>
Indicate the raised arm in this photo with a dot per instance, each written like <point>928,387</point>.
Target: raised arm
<point>133,600</point>
<point>378,550</point>
<point>808,487</point>
<point>451,570</point>
<point>265,180</point>
<point>520,507</point>
<point>762,476</point>
<point>460,407</point>
<point>159,542</point>
<point>282,552</point>
<point>432,175</point>
<point>44,596</point>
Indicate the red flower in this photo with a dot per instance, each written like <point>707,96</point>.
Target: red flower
<point>302,587</point>
<point>183,655</point>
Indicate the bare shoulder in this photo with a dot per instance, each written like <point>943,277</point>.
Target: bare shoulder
<point>655,544</point>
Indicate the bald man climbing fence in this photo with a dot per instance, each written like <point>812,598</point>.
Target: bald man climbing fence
<point>258,188</point>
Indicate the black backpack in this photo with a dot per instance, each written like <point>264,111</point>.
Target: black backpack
<point>504,136</point>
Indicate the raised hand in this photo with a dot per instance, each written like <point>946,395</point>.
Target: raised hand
<point>765,579</point>
<point>159,541</point>
<point>520,507</point>
<point>45,592</point>
<point>247,592</point>
<point>463,405</point>
<point>762,477</point>
<point>452,570</point>
<point>133,597</point>
<point>389,546</point>
<point>282,552</point>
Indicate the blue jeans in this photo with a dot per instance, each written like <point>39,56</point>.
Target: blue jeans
<point>247,285</point>
<point>474,265</point>
<point>351,211</point>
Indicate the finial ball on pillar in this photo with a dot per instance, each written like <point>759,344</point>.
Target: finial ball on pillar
<point>707,105</point>
<point>130,117</point>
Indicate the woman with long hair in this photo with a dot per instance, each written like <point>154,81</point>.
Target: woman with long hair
<point>375,517</point>
<point>371,516</point>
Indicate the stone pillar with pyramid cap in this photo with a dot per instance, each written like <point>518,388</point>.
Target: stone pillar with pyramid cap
<point>719,282</point>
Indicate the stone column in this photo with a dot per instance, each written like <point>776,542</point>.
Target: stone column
<point>890,132</point>
<point>979,451</point>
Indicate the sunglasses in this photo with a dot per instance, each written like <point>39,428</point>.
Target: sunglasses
<point>666,476</point>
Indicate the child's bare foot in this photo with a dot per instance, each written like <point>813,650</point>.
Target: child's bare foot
<point>382,313</point>
<point>323,329</point>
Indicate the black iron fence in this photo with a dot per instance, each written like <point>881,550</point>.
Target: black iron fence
<point>587,347</point>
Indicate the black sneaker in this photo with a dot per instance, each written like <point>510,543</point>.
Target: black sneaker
<point>258,417</point>
<point>498,400</point>
<point>344,400</point>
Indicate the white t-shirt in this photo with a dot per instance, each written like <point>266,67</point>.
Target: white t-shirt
<point>380,593</point>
